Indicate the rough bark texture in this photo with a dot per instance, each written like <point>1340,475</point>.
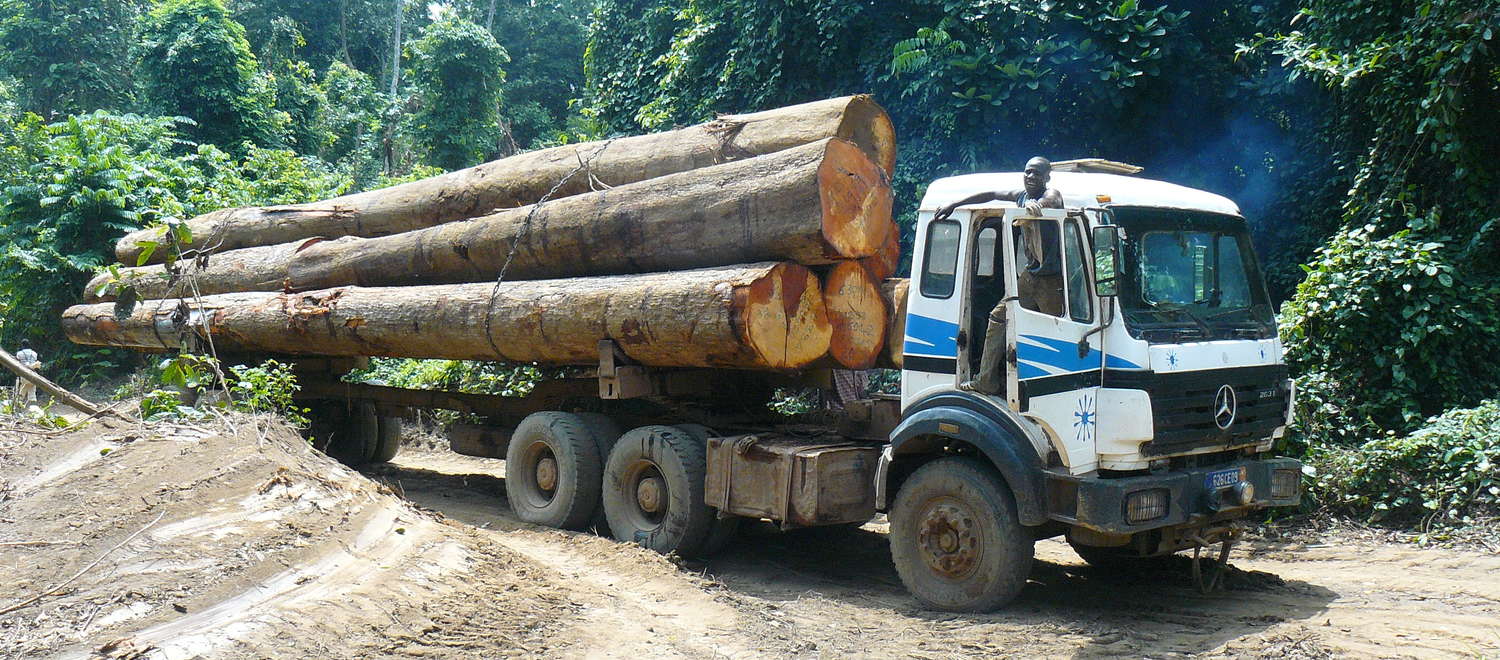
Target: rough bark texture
<point>887,260</point>
<point>893,292</point>
<point>857,313</point>
<point>251,269</point>
<point>760,316</point>
<point>527,178</point>
<point>812,204</point>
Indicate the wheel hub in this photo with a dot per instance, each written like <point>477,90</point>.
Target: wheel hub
<point>648,494</point>
<point>546,473</point>
<point>948,541</point>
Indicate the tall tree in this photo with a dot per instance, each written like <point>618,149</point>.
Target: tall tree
<point>457,72</point>
<point>68,56</point>
<point>194,62</point>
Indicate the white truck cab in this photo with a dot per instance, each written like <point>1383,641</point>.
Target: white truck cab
<point>1109,371</point>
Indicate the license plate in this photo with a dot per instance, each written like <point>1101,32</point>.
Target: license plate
<point>1224,478</point>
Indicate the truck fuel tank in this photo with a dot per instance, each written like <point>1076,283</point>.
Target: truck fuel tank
<point>797,482</point>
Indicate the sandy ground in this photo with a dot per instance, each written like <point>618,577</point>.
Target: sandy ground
<point>238,541</point>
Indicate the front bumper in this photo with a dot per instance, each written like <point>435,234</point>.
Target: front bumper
<point>1100,504</point>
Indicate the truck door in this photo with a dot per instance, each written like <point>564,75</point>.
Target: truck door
<point>1052,311</point>
<point>934,307</point>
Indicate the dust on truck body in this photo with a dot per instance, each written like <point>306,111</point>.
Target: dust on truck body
<point>1109,372</point>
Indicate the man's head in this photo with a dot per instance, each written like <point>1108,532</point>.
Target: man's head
<point>25,344</point>
<point>1038,173</point>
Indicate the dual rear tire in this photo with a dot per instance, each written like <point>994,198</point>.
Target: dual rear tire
<point>577,471</point>
<point>354,433</point>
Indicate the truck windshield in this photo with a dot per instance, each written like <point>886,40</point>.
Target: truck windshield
<point>1191,276</point>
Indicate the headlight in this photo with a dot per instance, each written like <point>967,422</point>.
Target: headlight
<point>1145,505</point>
<point>1284,483</point>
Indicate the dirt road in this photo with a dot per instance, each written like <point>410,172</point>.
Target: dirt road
<point>240,542</point>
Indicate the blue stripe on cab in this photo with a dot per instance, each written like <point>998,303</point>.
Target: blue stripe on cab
<point>929,336</point>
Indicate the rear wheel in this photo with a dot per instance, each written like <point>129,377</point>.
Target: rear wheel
<point>653,490</point>
<point>387,440</point>
<point>606,432</point>
<point>347,431</point>
<point>552,471</point>
<point>955,538</point>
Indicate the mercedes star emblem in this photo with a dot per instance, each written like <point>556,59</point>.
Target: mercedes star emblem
<point>1225,407</point>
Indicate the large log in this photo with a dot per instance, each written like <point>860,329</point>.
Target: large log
<point>894,292</point>
<point>813,204</point>
<point>529,177</point>
<point>250,269</point>
<point>857,313</point>
<point>759,316</point>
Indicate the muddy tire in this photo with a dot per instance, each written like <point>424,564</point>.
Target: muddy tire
<point>724,529</point>
<point>606,432</point>
<point>346,431</point>
<point>552,471</point>
<point>653,491</point>
<point>955,538</point>
<point>387,439</point>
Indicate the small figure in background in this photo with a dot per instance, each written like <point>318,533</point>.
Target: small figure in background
<point>25,389</point>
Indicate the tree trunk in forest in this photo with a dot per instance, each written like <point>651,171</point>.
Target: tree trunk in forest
<point>813,204</point>
<point>894,292</point>
<point>395,60</point>
<point>545,174</point>
<point>759,316</point>
<point>857,313</point>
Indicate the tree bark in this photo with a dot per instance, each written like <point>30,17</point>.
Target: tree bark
<point>759,316</point>
<point>857,313</point>
<point>251,269</point>
<point>530,177</point>
<point>813,204</point>
<point>893,292</point>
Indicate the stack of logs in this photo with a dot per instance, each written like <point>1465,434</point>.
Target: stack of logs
<point>758,241</point>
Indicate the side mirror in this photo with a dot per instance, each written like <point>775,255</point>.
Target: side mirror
<point>1107,267</point>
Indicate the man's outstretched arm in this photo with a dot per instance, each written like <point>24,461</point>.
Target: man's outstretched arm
<point>980,198</point>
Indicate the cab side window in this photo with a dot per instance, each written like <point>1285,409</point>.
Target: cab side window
<point>940,263</point>
<point>1080,306</point>
<point>1039,277</point>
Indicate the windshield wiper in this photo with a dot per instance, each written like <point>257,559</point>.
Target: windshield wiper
<point>1208,331</point>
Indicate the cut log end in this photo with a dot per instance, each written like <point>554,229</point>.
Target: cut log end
<point>857,314</point>
<point>893,292</point>
<point>856,201</point>
<point>885,262</point>
<point>868,125</point>
<point>784,319</point>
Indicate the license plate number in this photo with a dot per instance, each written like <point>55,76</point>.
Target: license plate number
<point>1224,478</point>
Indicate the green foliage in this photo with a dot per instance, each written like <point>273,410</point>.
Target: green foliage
<point>264,388</point>
<point>1444,474</point>
<point>1386,332</point>
<point>70,56</point>
<point>456,71</point>
<point>454,376</point>
<point>194,61</point>
<point>353,115</point>
<point>267,388</point>
<point>40,415</point>
<point>73,187</point>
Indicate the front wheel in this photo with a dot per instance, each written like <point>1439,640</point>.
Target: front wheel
<point>955,537</point>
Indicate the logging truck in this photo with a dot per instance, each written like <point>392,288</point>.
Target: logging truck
<point>1109,372</point>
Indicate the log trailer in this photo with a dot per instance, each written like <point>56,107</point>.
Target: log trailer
<point>1109,372</point>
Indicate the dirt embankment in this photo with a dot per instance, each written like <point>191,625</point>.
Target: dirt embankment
<point>241,542</point>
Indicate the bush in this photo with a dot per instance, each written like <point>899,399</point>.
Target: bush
<point>1383,334</point>
<point>1446,473</point>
